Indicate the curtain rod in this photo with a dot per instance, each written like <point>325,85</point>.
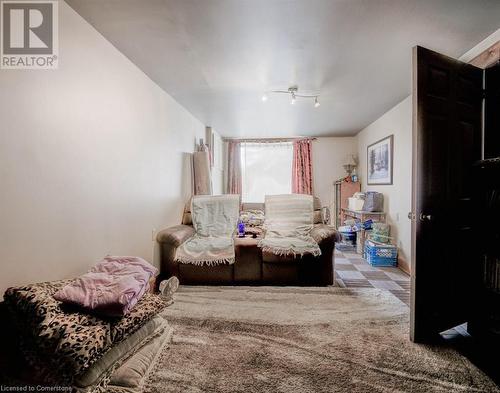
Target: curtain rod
<point>268,140</point>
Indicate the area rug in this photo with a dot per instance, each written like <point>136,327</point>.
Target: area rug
<point>270,339</point>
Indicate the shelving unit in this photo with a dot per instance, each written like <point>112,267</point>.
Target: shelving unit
<point>343,191</point>
<point>362,216</point>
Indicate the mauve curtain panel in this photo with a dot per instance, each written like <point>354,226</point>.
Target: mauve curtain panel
<point>302,167</point>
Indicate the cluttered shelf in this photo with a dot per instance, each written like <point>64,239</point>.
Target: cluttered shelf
<point>364,230</point>
<point>362,215</point>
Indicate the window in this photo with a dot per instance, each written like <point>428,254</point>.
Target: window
<point>266,169</point>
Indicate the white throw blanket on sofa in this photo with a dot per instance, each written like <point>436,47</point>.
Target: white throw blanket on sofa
<point>288,224</point>
<point>215,219</point>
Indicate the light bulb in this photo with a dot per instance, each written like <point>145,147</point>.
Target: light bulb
<point>264,97</point>
<point>316,103</point>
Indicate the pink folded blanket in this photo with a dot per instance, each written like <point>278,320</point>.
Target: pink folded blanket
<point>111,288</point>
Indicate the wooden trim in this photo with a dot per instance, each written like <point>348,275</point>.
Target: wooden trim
<point>414,174</point>
<point>403,265</point>
<point>489,57</point>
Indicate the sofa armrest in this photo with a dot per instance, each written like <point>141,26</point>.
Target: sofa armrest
<point>170,239</point>
<point>321,232</point>
<point>326,236</point>
<point>175,235</point>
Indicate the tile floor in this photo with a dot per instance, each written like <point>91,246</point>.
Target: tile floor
<point>352,271</point>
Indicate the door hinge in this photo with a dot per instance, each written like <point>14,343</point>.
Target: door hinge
<point>484,93</point>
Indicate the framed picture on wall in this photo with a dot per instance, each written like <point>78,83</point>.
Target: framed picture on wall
<point>380,161</point>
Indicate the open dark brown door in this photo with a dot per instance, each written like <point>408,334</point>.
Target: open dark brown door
<point>447,112</point>
<point>492,112</point>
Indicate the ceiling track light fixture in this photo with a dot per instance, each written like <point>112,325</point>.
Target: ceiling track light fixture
<point>293,91</point>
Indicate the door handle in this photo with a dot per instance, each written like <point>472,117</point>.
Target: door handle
<point>425,217</point>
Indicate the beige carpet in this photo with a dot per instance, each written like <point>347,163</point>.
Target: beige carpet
<point>268,339</point>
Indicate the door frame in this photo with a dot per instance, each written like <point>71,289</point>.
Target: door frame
<point>412,214</point>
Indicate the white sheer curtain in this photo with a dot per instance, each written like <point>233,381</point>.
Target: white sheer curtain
<point>266,169</point>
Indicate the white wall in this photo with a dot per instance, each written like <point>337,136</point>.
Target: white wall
<point>397,197</point>
<point>329,156</point>
<point>93,156</point>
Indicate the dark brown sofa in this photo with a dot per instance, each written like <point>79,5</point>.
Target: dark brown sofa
<point>252,266</point>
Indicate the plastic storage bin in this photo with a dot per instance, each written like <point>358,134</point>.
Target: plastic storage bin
<point>348,242</point>
<point>348,237</point>
<point>355,204</point>
<point>378,254</point>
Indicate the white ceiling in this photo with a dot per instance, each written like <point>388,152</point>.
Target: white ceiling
<point>217,57</point>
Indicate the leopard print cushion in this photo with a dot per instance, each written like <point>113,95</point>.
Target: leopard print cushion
<point>55,337</point>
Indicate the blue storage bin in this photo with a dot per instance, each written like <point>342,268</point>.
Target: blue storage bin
<point>349,237</point>
<point>380,254</point>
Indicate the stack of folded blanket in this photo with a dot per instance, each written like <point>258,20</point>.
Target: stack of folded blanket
<point>82,332</point>
<point>111,288</point>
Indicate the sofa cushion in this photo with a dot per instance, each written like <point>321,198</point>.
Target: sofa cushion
<point>269,257</point>
<point>280,273</point>
<point>131,376</point>
<point>194,274</point>
<point>320,232</point>
<point>122,350</point>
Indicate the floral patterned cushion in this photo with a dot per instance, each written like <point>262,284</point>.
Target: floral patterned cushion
<point>252,218</point>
